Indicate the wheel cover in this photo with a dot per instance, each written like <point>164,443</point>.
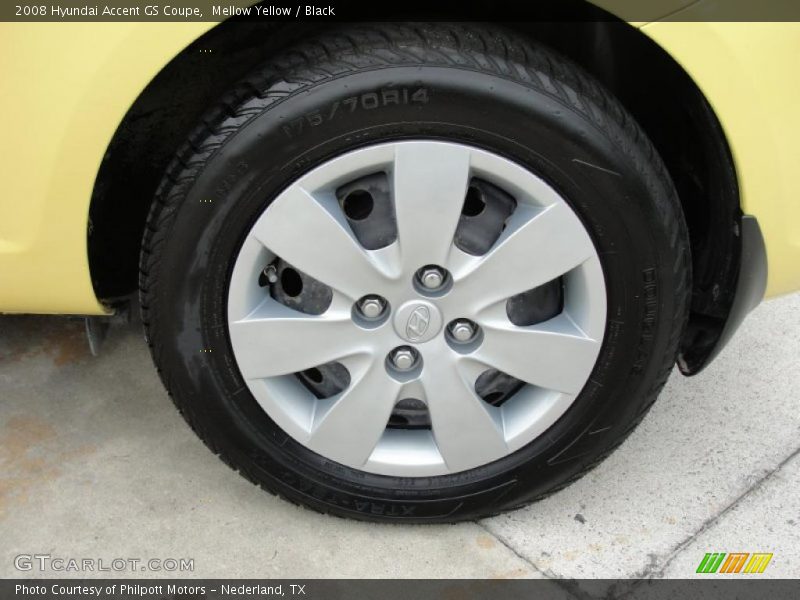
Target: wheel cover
<point>543,239</point>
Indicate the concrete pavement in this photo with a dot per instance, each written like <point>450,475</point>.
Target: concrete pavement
<point>95,462</point>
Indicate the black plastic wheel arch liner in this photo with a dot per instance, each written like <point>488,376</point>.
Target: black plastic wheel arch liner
<point>704,339</point>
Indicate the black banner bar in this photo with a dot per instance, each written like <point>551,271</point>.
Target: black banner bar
<point>426,10</point>
<point>744,587</point>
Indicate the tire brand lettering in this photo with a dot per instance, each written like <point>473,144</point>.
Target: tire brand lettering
<point>389,510</point>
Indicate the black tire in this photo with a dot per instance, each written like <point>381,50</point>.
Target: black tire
<point>474,84</point>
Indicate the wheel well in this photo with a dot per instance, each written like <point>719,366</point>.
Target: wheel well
<point>156,125</point>
<point>651,85</point>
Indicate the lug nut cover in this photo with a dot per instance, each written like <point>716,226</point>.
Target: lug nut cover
<point>432,277</point>
<point>463,330</point>
<point>403,359</point>
<point>371,307</point>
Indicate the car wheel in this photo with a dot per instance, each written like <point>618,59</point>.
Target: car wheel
<point>421,273</point>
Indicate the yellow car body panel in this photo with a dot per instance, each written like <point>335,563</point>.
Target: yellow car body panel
<point>67,86</point>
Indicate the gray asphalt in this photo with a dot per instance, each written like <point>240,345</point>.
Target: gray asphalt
<point>95,462</point>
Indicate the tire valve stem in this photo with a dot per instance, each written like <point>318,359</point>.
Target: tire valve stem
<point>271,274</point>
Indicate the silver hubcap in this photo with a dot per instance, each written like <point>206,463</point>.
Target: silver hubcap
<point>411,353</point>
